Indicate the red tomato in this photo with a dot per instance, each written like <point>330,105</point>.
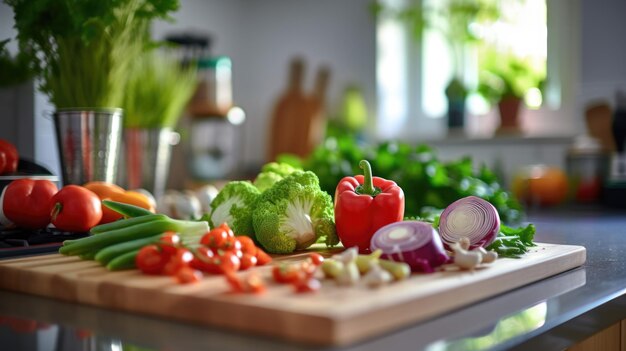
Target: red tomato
<point>9,158</point>
<point>215,238</point>
<point>75,209</point>
<point>151,260</point>
<point>254,284</point>
<point>262,257</point>
<point>178,261</point>
<point>316,258</point>
<point>231,244</point>
<point>247,261</point>
<point>307,285</point>
<point>236,285</point>
<point>287,273</point>
<point>247,245</point>
<point>26,202</point>
<point>229,262</point>
<point>188,275</point>
<point>205,261</point>
<point>169,243</point>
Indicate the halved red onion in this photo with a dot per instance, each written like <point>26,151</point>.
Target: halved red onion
<point>416,243</point>
<point>470,217</point>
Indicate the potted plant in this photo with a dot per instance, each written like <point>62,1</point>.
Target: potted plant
<point>82,51</point>
<point>453,20</point>
<point>504,80</point>
<point>157,92</point>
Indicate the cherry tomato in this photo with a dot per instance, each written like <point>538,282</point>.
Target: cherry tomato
<point>286,273</point>
<point>231,243</point>
<point>307,285</point>
<point>9,158</point>
<point>26,203</point>
<point>247,245</point>
<point>169,243</point>
<point>151,260</point>
<point>247,261</point>
<point>217,237</point>
<point>178,261</point>
<point>228,261</point>
<point>254,284</point>
<point>262,257</point>
<point>205,261</point>
<point>75,209</point>
<point>236,285</point>
<point>188,275</point>
<point>316,258</point>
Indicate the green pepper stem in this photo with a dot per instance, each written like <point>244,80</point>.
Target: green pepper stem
<point>367,188</point>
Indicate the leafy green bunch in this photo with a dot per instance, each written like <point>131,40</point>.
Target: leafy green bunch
<point>428,183</point>
<point>83,49</point>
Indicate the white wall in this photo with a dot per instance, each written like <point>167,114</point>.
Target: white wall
<point>262,36</point>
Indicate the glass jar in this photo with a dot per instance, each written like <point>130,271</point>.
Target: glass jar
<point>213,96</point>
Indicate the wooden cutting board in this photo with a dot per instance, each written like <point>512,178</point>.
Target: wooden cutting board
<point>333,316</point>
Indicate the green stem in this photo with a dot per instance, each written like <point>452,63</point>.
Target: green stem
<point>367,188</point>
<point>56,210</point>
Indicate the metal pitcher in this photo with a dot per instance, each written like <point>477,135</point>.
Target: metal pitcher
<point>147,158</point>
<point>88,141</point>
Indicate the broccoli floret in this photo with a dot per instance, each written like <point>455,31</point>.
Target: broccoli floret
<point>293,214</point>
<point>272,173</point>
<point>234,205</point>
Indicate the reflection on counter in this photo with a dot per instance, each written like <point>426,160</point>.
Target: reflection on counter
<point>509,327</point>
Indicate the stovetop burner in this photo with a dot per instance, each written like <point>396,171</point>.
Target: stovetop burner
<point>20,242</point>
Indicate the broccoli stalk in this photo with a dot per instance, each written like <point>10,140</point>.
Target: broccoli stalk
<point>272,173</point>
<point>293,214</point>
<point>234,205</point>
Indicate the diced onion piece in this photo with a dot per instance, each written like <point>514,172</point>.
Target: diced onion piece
<point>416,243</point>
<point>470,217</point>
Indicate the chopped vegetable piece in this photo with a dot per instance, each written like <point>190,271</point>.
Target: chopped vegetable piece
<point>470,217</point>
<point>416,243</point>
<point>513,242</point>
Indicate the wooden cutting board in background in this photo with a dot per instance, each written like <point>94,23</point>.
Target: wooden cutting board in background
<point>333,316</point>
<point>298,120</point>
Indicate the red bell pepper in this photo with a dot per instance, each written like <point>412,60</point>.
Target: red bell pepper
<point>8,157</point>
<point>26,203</point>
<point>363,204</point>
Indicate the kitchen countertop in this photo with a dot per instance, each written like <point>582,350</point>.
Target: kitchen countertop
<point>551,314</point>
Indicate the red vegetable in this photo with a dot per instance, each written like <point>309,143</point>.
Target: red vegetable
<point>75,209</point>
<point>151,259</point>
<point>9,157</point>
<point>470,217</point>
<point>363,204</point>
<point>412,242</point>
<point>26,203</point>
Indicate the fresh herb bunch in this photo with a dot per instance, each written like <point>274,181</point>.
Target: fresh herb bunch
<point>157,91</point>
<point>513,242</point>
<point>428,183</point>
<point>83,49</point>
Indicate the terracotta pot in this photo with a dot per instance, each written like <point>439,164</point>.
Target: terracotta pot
<point>509,115</point>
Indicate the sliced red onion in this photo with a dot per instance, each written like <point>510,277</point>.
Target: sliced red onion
<point>416,243</point>
<point>470,217</point>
